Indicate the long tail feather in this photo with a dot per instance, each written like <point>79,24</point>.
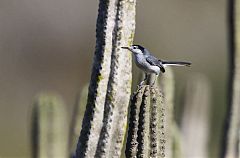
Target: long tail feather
<point>176,63</point>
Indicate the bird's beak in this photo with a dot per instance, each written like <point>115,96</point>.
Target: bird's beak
<point>125,48</point>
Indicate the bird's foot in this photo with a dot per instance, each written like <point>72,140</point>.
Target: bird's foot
<point>142,82</point>
<point>152,85</point>
<point>140,85</point>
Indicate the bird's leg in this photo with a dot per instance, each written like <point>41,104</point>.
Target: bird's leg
<point>141,83</point>
<point>155,80</point>
<point>145,78</point>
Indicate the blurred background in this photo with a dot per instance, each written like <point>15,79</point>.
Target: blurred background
<point>48,45</point>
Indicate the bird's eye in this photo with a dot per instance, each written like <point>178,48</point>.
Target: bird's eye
<point>134,47</point>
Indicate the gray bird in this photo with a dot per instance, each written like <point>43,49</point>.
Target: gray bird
<point>150,64</point>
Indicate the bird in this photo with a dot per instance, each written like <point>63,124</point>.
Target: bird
<point>149,63</point>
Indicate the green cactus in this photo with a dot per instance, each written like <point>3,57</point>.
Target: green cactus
<point>105,118</point>
<point>49,127</point>
<point>76,122</point>
<point>143,149</point>
<point>177,151</point>
<point>132,142</point>
<point>146,133</point>
<point>166,84</point>
<point>196,118</point>
<point>232,121</point>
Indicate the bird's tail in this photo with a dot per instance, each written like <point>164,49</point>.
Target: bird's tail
<point>176,63</point>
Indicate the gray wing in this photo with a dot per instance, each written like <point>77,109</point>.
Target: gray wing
<point>154,61</point>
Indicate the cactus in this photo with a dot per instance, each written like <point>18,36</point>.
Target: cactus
<point>104,122</point>
<point>49,132</point>
<point>146,133</point>
<point>176,149</point>
<point>232,121</point>
<point>195,120</point>
<point>239,142</point>
<point>132,143</point>
<point>166,84</point>
<point>76,122</point>
<point>151,120</point>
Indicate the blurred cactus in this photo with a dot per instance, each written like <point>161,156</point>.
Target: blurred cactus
<point>146,133</point>
<point>195,119</point>
<point>76,122</point>
<point>173,135</point>
<point>166,83</point>
<point>238,142</point>
<point>232,121</point>
<point>176,150</point>
<point>49,127</point>
<point>104,123</point>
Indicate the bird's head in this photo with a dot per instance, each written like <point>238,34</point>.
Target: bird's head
<point>136,49</point>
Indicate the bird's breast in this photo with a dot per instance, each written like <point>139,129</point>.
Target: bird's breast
<point>141,62</point>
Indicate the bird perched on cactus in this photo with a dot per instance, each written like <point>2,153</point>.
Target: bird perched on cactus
<point>150,64</point>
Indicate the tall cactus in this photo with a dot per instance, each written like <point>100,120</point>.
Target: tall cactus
<point>196,117</point>
<point>167,85</point>
<point>146,134</point>
<point>49,127</point>
<point>232,123</point>
<point>104,122</point>
<point>76,122</point>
